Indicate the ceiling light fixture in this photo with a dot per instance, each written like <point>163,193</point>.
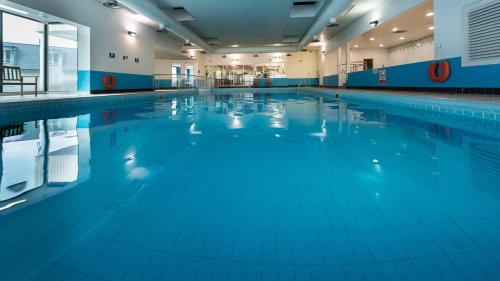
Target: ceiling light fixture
<point>395,29</point>
<point>372,39</point>
<point>4,7</point>
<point>235,46</point>
<point>374,23</point>
<point>356,46</point>
<point>381,45</point>
<point>401,38</point>
<point>429,14</point>
<point>431,27</point>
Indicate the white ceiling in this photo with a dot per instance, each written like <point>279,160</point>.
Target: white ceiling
<point>414,21</point>
<point>242,22</point>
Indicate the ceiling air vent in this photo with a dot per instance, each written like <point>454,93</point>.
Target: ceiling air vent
<point>482,34</point>
<point>179,14</point>
<point>304,9</point>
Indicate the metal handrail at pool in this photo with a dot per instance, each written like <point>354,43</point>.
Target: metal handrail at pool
<point>182,81</point>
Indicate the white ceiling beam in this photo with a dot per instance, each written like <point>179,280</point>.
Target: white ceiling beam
<point>151,11</point>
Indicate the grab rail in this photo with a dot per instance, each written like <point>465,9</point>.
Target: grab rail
<point>182,81</point>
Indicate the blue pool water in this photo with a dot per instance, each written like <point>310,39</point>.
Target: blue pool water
<point>249,186</point>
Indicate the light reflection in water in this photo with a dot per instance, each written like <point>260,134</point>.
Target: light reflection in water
<point>46,155</point>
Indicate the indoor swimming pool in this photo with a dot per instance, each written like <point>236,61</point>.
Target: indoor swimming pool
<point>242,185</point>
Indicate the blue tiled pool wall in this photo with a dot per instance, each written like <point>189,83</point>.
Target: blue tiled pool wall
<point>422,117</point>
<point>415,75</point>
<point>479,110</point>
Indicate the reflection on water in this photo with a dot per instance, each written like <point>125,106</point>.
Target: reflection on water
<point>137,142</point>
<point>47,155</point>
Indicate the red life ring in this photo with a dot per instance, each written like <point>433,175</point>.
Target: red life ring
<point>444,69</point>
<point>109,81</point>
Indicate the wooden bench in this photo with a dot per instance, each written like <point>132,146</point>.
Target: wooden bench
<point>11,76</point>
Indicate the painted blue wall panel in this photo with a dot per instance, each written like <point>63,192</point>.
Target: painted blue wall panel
<point>331,81</point>
<point>83,80</point>
<point>92,81</point>
<point>303,81</point>
<point>124,81</point>
<point>280,82</point>
<point>164,83</point>
<point>416,75</point>
<point>285,82</point>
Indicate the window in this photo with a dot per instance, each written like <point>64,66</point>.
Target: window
<point>9,56</point>
<point>23,44</point>
<point>55,59</point>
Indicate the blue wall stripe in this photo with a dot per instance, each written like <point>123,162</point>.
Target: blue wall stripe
<point>285,82</point>
<point>416,75</point>
<point>89,80</point>
<point>83,80</point>
<point>331,81</point>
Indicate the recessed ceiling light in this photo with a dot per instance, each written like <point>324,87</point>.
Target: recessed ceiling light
<point>356,46</point>
<point>277,45</point>
<point>431,27</point>
<point>401,38</point>
<point>372,39</point>
<point>381,45</point>
<point>4,7</point>
<point>235,46</point>
<point>429,14</point>
<point>394,29</point>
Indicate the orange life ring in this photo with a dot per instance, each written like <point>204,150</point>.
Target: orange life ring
<point>109,81</point>
<point>444,70</point>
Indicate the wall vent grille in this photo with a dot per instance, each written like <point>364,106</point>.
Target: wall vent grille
<point>483,32</point>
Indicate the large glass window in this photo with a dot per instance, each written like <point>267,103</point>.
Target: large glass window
<point>62,57</point>
<point>23,47</point>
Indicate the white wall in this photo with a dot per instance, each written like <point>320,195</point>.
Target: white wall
<point>379,56</point>
<point>417,51</point>
<point>448,27</point>
<point>384,11</point>
<point>108,33</point>
<point>165,66</point>
<point>302,65</point>
<point>329,63</point>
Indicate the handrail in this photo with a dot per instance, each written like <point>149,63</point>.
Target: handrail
<point>182,81</point>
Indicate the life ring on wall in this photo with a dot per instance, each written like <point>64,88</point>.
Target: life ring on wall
<point>109,81</point>
<point>440,72</point>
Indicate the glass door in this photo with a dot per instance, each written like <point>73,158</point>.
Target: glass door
<point>62,57</point>
<point>176,75</point>
<point>23,46</point>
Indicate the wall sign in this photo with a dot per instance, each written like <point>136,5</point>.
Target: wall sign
<point>382,78</point>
